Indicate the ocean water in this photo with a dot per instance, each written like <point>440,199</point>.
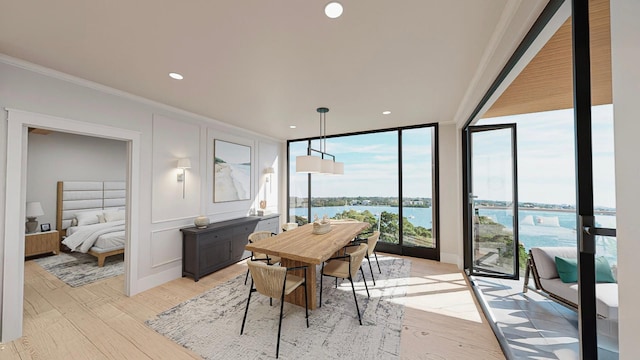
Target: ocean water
<point>531,234</point>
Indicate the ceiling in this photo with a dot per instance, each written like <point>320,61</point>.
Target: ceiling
<point>546,83</point>
<point>266,65</point>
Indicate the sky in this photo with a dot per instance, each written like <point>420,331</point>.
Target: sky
<point>546,157</point>
<point>546,165</point>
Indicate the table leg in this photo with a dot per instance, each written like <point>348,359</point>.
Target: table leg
<point>297,297</point>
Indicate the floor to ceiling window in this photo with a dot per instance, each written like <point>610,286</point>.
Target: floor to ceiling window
<point>389,175</point>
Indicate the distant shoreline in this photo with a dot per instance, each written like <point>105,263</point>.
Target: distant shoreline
<point>597,212</point>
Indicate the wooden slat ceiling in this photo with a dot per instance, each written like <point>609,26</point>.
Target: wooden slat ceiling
<point>546,82</point>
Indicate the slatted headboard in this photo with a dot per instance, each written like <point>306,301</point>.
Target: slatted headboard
<point>76,196</point>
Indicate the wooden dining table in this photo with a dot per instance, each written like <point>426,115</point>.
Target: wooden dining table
<point>301,247</point>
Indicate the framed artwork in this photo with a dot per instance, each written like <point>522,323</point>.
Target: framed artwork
<point>231,171</point>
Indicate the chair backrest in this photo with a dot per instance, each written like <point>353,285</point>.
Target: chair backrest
<point>268,279</point>
<point>356,259</point>
<point>289,226</point>
<point>259,235</point>
<point>372,241</point>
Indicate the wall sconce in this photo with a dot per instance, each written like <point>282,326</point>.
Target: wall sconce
<point>183,164</point>
<point>267,171</point>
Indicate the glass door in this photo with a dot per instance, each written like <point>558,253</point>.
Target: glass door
<point>492,201</point>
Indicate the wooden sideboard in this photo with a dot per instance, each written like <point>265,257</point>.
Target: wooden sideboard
<point>221,243</point>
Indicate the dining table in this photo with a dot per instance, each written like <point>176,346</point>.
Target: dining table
<point>301,247</point>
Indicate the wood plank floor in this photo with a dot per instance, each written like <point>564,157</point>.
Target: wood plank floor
<point>442,319</point>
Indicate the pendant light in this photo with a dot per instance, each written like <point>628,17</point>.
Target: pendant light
<point>325,163</point>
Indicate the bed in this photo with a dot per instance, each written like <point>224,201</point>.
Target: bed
<point>90,217</point>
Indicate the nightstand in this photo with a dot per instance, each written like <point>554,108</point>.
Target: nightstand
<point>41,243</point>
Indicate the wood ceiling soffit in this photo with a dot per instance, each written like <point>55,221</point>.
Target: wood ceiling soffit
<point>546,83</point>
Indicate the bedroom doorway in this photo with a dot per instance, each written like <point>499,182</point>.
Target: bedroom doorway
<point>78,182</point>
<point>17,138</point>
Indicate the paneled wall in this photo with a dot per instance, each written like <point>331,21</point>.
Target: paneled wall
<point>166,134</point>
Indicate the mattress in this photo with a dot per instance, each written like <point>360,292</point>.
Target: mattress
<point>110,241</point>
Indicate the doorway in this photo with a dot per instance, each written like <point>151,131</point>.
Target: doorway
<point>13,271</point>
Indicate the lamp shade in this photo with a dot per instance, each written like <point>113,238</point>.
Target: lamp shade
<point>184,163</point>
<point>327,166</point>
<point>338,168</point>
<point>34,209</point>
<point>308,164</point>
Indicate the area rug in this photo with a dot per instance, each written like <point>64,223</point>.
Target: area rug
<point>78,269</point>
<point>209,324</point>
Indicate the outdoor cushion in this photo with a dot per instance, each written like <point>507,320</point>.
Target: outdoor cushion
<point>545,259</point>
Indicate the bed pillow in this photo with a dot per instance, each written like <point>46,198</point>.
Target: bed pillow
<point>114,216</point>
<point>87,217</point>
<point>568,270</point>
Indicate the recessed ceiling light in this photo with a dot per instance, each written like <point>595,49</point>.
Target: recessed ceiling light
<point>333,9</point>
<point>387,112</point>
<point>176,76</point>
<point>292,126</point>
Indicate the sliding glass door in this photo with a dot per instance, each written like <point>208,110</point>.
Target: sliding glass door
<point>493,201</point>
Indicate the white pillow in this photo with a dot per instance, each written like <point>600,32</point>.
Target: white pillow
<point>114,216</point>
<point>548,221</point>
<point>88,217</point>
<point>527,220</point>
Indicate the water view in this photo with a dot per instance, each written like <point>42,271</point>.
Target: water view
<point>536,227</point>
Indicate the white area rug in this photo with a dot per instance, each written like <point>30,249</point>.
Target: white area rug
<point>209,324</point>
<point>78,269</point>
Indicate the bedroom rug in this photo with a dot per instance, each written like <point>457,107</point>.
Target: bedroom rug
<point>209,324</point>
<point>78,269</point>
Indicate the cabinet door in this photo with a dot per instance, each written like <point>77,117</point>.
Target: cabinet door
<point>268,225</point>
<point>241,239</point>
<point>215,251</point>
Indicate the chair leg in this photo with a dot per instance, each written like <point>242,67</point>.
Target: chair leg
<point>306,303</point>
<point>247,308</point>
<point>370,269</point>
<point>321,276</point>
<point>525,287</point>
<point>246,277</point>
<point>364,281</point>
<point>336,283</point>
<point>377,262</point>
<point>280,324</point>
<point>356,299</point>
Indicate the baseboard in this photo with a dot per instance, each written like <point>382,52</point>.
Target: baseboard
<point>158,279</point>
<point>450,259</point>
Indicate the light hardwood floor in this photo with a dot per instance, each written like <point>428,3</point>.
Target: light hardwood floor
<point>442,319</point>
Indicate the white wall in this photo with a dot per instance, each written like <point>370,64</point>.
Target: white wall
<point>451,249</point>
<point>625,56</point>
<point>61,156</point>
<point>162,209</point>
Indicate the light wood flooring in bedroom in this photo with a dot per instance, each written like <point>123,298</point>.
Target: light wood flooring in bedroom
<point>442,319</point>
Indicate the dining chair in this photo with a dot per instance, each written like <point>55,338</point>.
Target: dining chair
<point>346,267</point>
<point>371,242</point>
<point>273,281</point>
<point>255,237</point>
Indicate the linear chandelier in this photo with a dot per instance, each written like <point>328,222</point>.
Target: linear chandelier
<point>325,163</point>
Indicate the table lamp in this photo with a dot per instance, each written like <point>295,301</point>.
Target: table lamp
<point>34,209</point>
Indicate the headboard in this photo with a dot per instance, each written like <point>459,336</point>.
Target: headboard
<point>76,196</point>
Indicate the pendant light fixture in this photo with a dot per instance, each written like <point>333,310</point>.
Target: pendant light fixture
<point>325,163</point>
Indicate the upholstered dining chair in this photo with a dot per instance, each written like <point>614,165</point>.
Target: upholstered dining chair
<point>346,267</point>
<point>371,242</point>
<point>274,282</point>
<point>268,259</point>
